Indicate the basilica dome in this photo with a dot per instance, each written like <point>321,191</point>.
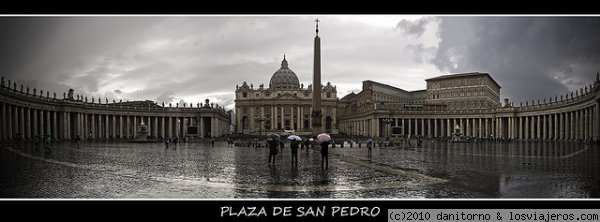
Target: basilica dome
<point>284,78</point>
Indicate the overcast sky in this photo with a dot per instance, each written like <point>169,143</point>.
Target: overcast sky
<point>191,58</point>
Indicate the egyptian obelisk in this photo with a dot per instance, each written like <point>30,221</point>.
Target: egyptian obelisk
<point>316,100</point>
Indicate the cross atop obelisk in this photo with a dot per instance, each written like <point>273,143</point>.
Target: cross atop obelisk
<point>317,21</point>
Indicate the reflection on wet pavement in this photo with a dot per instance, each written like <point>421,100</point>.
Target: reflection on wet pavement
<point>195,170</point>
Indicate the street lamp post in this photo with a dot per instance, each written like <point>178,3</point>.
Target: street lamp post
<point>260,120</point>
<point>388,122</point>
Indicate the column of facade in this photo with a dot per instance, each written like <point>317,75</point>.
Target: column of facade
<point>27,125</point>
<point>495,126</point>
<point>555,129</point>
<point>474,127</point>
<point>93,126</point>
<point>106,126</point>
<point>22,121</point>
<point>162,127</point>
<point>561,126</point>
<point>113,125</point>
<point>120,127</point>
<point>584,124</point>
<point>15,121</point>
<point>544,128</point>
<point>537,127</point>
<point>596,120</point>
<point>467,127</point>
<point>42,123</point>
<point>155,127</point>
<point>436,127</point>
<point>213,129</point>
<point>64,124</point>
<point>8,123</point>
<point>429,134</point>
<point>52,124</point>
<point>201,125</point>
<point>515,129</point>
<point>527,131</point>
<point>514,125</point>
<point>422,127</point>
<point>552,126</point>
<point>409,127</point>
<point>509,128</point>
<point>100,127</point>
<point>588,118</point>
<point>579,124</point>
<point>283,117</point>
<point>571,122</point>
<point>170,127</point>
<point>416,126</point>
<point>448,127</point>
<point>134,126</point>
<point>34,123</point>
<point>3,124</point>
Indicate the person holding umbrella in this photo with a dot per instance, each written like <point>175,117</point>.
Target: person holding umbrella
<point>324,139</point>
<point>295,142</point>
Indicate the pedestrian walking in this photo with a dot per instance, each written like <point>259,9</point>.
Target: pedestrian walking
<point>272,150</point>
<point>167,143</point>
<point>370,145</point>
<point>78,141</point>
<point>294,146</point>
<point>212,142</point>
<point>325,154</point>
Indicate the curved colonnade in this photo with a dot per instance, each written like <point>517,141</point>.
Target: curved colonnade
<point>28,116</point>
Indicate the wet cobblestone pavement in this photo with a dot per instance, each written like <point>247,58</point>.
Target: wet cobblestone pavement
<point>196,170</point>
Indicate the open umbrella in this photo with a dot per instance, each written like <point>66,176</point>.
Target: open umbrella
<point>273,137</point>
<point>323,137</point>
<point>294,137</point>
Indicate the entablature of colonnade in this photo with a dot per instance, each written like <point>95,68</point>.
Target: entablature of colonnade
<point>551,108</point>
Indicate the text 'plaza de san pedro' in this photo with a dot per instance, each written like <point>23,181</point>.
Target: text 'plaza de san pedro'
<point>468,102</point>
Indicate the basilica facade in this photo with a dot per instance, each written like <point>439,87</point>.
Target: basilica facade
<point>285,104</point>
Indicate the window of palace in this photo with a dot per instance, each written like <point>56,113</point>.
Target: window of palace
<point>328,95</point>
<point>244,95</point>
<point>257,95</point>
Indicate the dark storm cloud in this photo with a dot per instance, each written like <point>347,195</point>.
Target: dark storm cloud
<point>416,28</point>
<point>530,57</point>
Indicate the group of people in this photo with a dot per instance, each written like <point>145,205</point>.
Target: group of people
<point>275,146</point>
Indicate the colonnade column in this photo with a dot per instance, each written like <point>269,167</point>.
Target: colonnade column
<point>555,136</point>
<point>27,127</point>
<point>596,120</point>
<point>571,124</point>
